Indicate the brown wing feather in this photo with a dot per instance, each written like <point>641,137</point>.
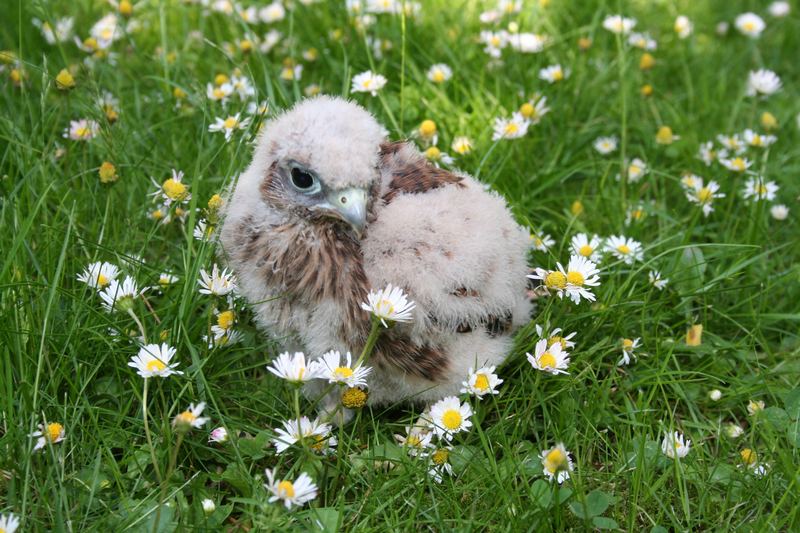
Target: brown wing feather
<point>411,172</point>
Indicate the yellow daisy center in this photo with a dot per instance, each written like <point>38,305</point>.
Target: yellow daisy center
<point>749,26</point>
<point>53,431</point>
<point>627,344</point>
<point>554,460</point>
<point>218,93</point>
<point>511,128</point>
<point>286,489</point>
<point>82,131</point>
<point>157,214</point>
<point>624,249</point>
<point>438,76</point>
<point>427,128</point>
<point>547,360</point>
<point>440,456</point>
<point>738,164</point>
<point>155,366</point>
<point>481,382</point>
<point>186,417</point>
<point>225,319</point>
<point>367,84</point>
<point>452,419</point>
<point>762,189</point>
<point>230,123</point>
<point>757,141</point>
<point>558,75</point>
<point>634,169</point>
<point>555,280</point>
<point>704,195</point>
<point>385,307</point>
<point>343,372</point>
<point>748,456</point>
<point>102,280</point>
<point>527,110</point>
<point>586,250</point>
<point>575,278</point>
<point>555,339</point>
<point>174,189</point>
<point>413,440</point>
<point>433,153</point>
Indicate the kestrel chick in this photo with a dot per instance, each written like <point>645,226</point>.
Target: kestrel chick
<point>329,209</point>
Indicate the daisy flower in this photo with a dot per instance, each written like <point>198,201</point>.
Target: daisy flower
<point>527,43</point>
<point>758,140</point>
<point>750,24</point>
<point>541,243</point>
<point>298,493</point>
<point>461,145</point>
<point>153,360</point>
<point>704,195</point>
<point>665,136</point>
<point>734,143</point>
<point>758,189</point>
<point>82,130</point>
<point>229,125</point>
<point>556,336</point>
<point>439,73</point>
<point>656,280</point>
<point>62,32</point>
<point>736,164</point>
<point>628,349</point>
<point>389,305</point>
<point>218,436</point>
<point>217,283</point>
<point>449,417</point>
<point>779,9</point>
<point>534,109</point>
<point>8,523</point>
<point>172,190</point>
<point>755,406</point>
<point>220,338</point>
<point>368,82</point>
<point>779,211</point>
<point>750,461</point>
<point>643,41</point>
<point>624,249</point>
<point>416,440</point>
<point>551,359</point>
<point>634,170</point>
<point>99,275</point>
<point>605,145</point>
<point>481,382</point>
<point>734,431</point>
<point>51,433</point>
<point>706,153</point>
<point>120,296</point>
<point>243,87</point>
<point>166,279</point>
<point>510,128</point>
<point>762,82</point>
<point>436,156</point>
<point>619,24</point>
<point>683,26</point>
<point>293,368</point>
<point>581,274</point>
<point>494,41</point>
<point>315,434</point>
<point>219,93</point>
<point>556,463</point>
<point>202,230</point>
<point>330,367</point>
<point>190,418</point>
<point>440,463</point>
<point>585,246</point>
<point>553,74</point>
<point>274,12</point>
<point>674,445</point>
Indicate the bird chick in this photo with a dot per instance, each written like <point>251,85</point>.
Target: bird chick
<point>329,209</point>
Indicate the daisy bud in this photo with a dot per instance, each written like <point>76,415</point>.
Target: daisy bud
<point>125,8</point>
<point>584,43</point>
<point>734,431</point>
<point>694,337</point>
<point>427,129</point>
<point>768,121</point>
<point>576,208</point>
<point>647,62</point>
<point>646,90</point>
<point>715,395</point>
<point>64,80</point>
<point>354,398</point>
<point>209,506</point>
<point>218,435</point>
<point>749,457</point>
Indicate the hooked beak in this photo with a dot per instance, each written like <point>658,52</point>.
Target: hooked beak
<point>349,205</point>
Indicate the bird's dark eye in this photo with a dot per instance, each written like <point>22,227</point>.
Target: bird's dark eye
<point>302,179</point>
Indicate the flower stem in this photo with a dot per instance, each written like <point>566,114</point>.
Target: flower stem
<point>297,403</point>
<point>374,333</point>
<point>147,432</point>
<point>141,328</point>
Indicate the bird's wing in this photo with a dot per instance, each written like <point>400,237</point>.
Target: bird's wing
<point>453,246</point>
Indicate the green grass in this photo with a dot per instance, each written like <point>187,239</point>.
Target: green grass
<point>736,272</point>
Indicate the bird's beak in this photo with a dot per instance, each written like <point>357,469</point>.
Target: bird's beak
<point>351,206</point>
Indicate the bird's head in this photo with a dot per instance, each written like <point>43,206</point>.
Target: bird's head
<point>320,161</point>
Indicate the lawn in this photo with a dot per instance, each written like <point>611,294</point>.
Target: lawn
<point>663,136</point>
